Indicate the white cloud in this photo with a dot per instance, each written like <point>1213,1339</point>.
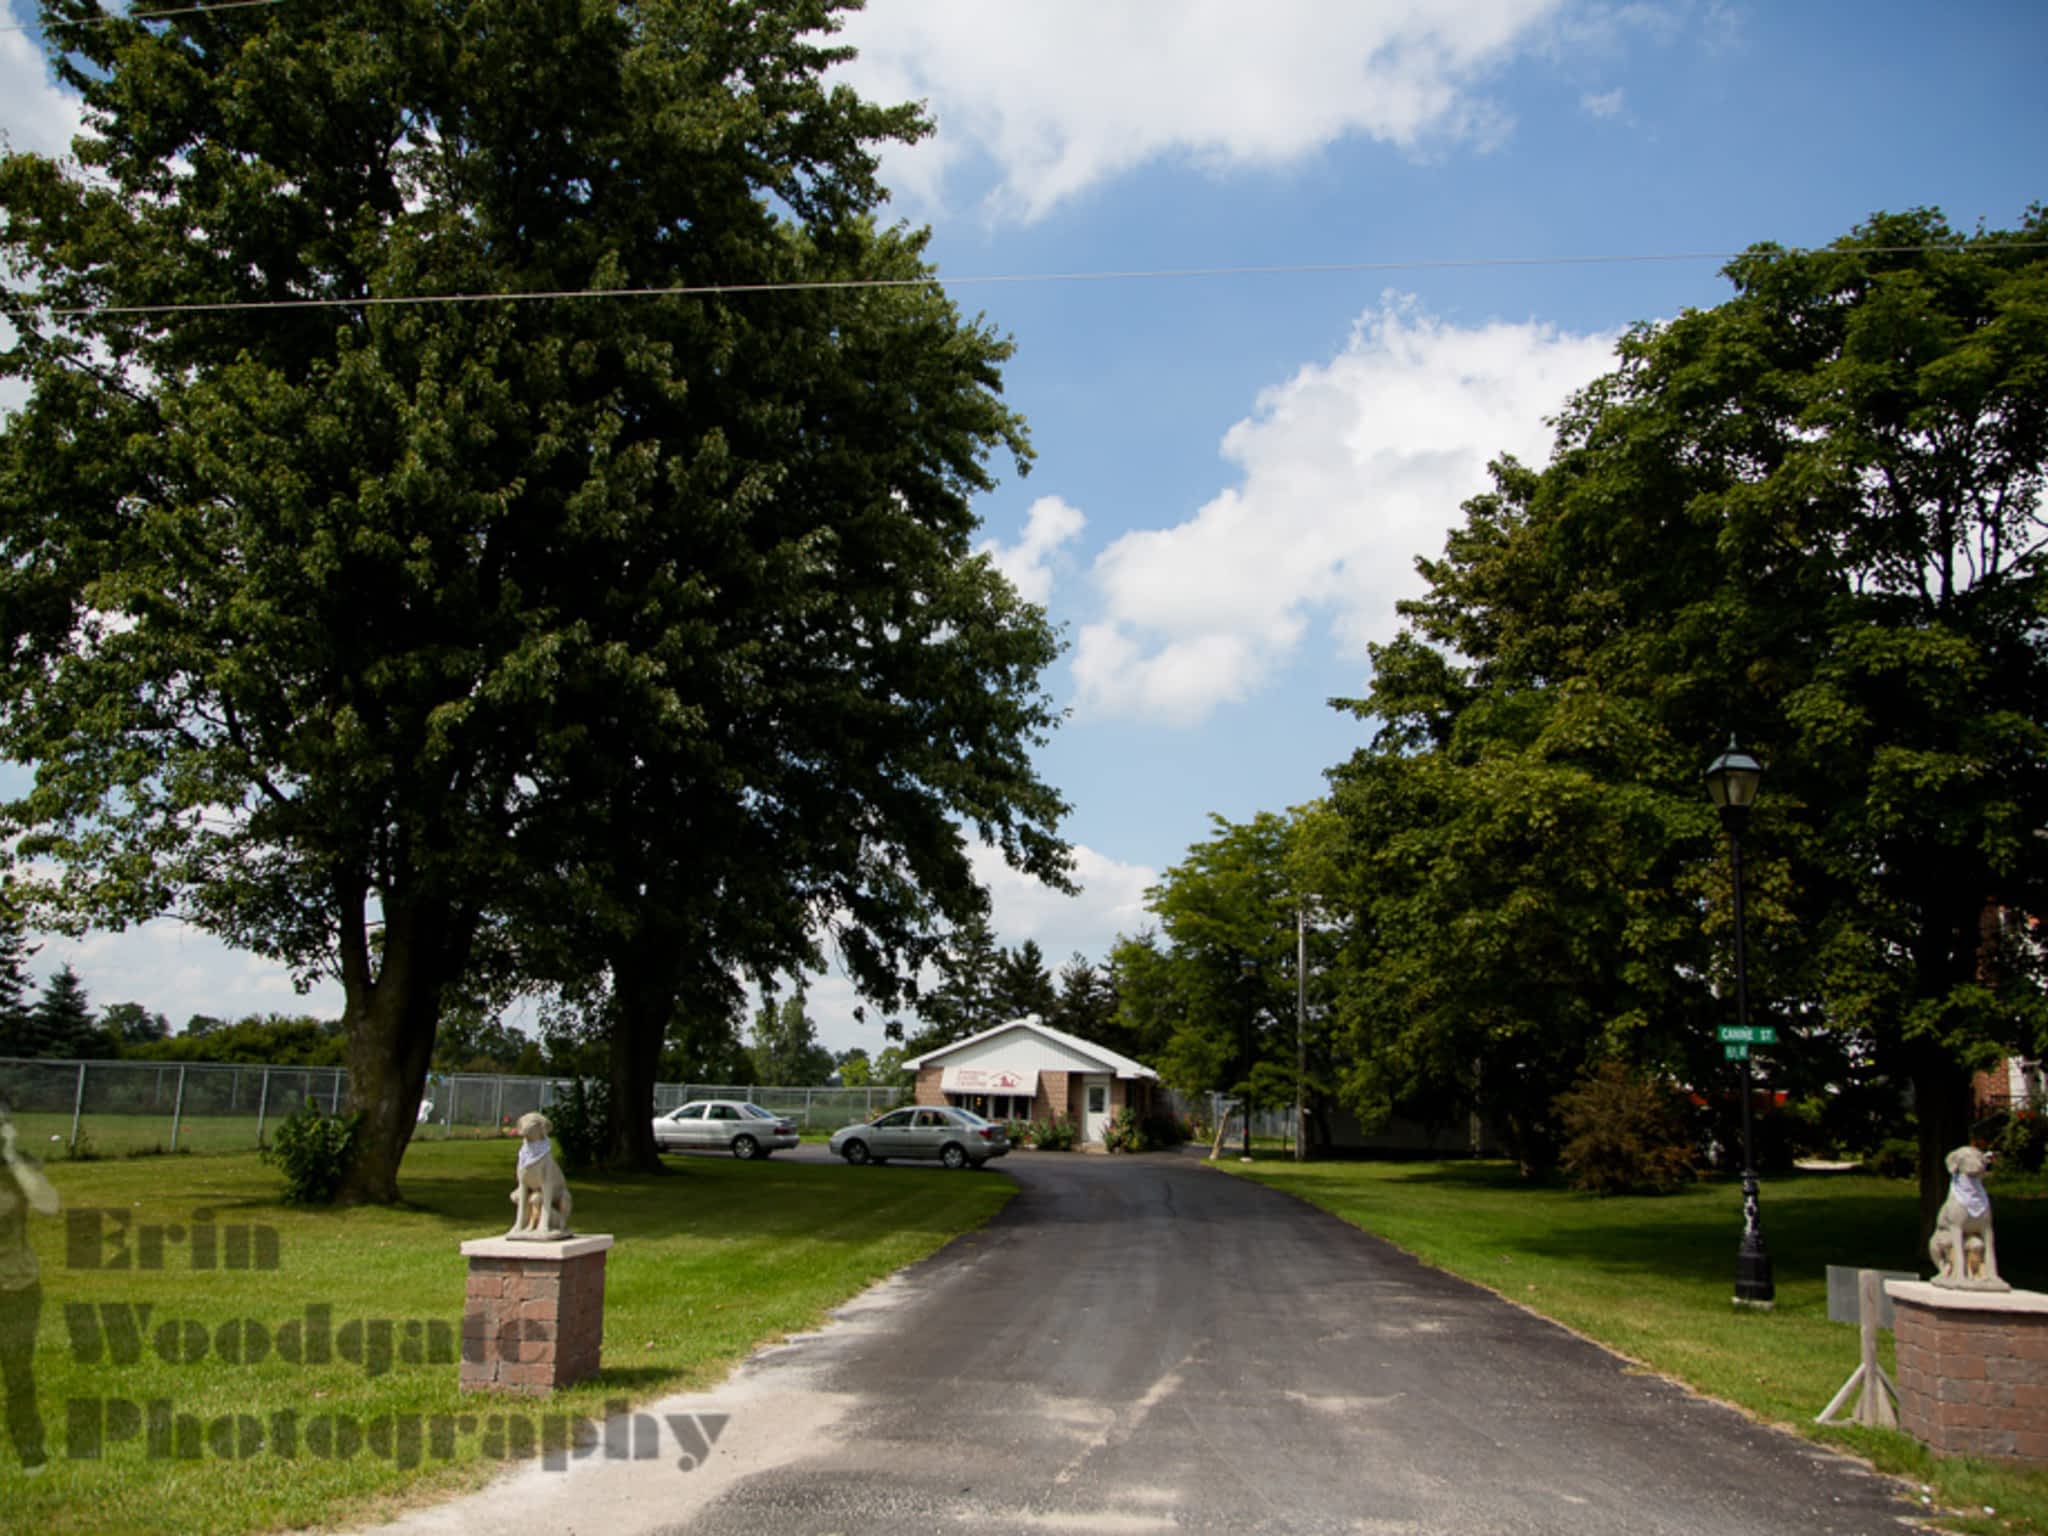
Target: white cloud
<point>37,116</point>
<point>174,969</point>
<point>1349,471</point>
<point>1604,104</point>
<point>1061,95</point>
<point>1111,902</point>
<point>1050,523</point>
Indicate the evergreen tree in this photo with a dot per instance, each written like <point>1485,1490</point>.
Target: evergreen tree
<point>1023,985</point>
<point>1087,1005</point>
<point>966,999</point>
<point>61,1023</point>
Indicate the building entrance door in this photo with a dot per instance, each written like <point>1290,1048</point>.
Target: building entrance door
<point>1095,1111</point>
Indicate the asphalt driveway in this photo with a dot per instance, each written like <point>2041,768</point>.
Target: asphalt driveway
<point>1145,1344</point>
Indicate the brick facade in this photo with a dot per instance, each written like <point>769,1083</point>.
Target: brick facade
<point>533,1313</point>
<point>1973,1370</point>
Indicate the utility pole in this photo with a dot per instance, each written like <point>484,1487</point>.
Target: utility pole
<point>1300,1033</point>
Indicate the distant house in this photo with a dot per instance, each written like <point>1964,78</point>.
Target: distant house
<point>1025,1070</point>
<point>2014,1084</point>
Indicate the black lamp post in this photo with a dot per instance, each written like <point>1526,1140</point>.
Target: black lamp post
<point>1732,780</point>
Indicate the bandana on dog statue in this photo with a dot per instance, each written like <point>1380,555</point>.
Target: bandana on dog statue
<point>1965,1257</point>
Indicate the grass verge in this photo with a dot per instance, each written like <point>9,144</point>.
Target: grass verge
<point>713,1259</point>
<point>1652,1277</point>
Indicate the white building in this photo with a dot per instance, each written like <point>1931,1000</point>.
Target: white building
<point>1025,1070</point>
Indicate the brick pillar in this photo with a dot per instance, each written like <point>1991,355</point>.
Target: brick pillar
<point>1973,1369</point>
<point>533,1318</point>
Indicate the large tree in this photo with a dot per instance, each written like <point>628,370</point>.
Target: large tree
<point>1811,515</point>
<point>1223,984</point>
<point>1508,913</point>
<point>626,642</point>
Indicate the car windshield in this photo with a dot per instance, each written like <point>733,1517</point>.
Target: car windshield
<point>970,1117</point>
<point>757,1112</point>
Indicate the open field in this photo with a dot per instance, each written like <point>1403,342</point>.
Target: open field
<point>713,1259</point>
<point>1652,1277</point>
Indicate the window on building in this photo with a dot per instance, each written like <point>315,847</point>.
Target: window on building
<point>993,1106</point>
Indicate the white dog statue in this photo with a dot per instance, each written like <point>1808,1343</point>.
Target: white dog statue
<point>540,1198</point>
<point>1965,1258</point>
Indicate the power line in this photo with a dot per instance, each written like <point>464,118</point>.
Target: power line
<point>852,284</point>
<point>189,10</point>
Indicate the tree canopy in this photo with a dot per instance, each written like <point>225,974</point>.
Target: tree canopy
<point>622,645</point>
<point>1812,516</point>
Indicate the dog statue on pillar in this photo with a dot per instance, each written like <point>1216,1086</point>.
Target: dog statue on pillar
<point>540,1196</point>
<point>1965,1257</point>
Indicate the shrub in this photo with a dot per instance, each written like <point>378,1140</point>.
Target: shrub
<point>312,1147</point>
<point>2022,1144</point>
<point>1125,1133</point>
<point>1055,1135</point>
<point>1896,1158</point>
<point>1625,1131</point>
<point>1154,1133</point>
<point>582,1122</point>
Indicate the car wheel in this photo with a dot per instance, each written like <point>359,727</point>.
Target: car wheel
<point>855,1152</point>
<point>745,1148</point>
<point>955,1155</point>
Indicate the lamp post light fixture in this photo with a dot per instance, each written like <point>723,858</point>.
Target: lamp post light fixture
<point>1732,781</point>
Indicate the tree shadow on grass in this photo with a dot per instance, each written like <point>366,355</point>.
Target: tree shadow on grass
<point>1807,1227</point>
<point>753,1202</point>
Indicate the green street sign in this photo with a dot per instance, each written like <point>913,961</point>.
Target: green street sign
<point>1736,1052</point>
<point>1747,1034</point>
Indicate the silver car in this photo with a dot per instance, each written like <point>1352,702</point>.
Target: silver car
<point>956,1137</point>
<point>724,1125</point>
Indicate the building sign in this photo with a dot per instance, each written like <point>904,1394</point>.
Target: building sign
<point>989,1080</point>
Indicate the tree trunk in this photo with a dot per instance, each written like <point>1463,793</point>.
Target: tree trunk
<point>1949,954</point>
<point>643,1000</point>
<point>1942,1099</point>
<point>390,1015</point>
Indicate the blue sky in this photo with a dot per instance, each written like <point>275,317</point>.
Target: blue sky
<point>1235,473</point>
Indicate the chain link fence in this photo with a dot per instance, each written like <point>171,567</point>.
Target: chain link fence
<point>123,1108</point>
<point>1205,1111</point>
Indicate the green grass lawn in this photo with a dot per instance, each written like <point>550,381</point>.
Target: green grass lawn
<point>1653,1277</point>
<point>105,1135</point>
<point>712,1260</point>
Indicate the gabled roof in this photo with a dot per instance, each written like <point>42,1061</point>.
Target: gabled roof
<point>1121,1066</point>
